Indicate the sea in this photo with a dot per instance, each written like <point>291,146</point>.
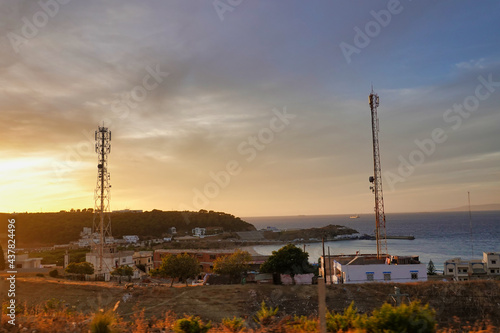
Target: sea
<point>438,236</point>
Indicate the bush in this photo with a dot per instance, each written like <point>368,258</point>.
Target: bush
<point>53,304</point>
<point>404,318</point>
<point>234,325</point>
<point>103,322</point>
<point>266,315</point>
<point>191,325</point>
<point>350,319</point>
<point>54,273</point>
<point>304,324</point>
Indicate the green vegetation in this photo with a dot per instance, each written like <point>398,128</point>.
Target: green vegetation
<point>327,232</point>
<point>64,227</point>
<point>103,322</point>
<point>266,315</point>
<point>123,271</point>
<point>181,266</point>
<point>57,256</point>
<point>80,269</point>
<point>431,269</point>
<point>236,324</point>
<point>191,324</point>
<point>414,317</point>
<point>233,265</point>
<point>54,273</point>
<point>290,259</point>
<point>387,319</point>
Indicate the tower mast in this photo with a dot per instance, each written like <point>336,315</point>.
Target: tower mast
<point>376,180</point>
<point>102,218</point>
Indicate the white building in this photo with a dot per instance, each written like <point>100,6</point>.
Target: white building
<point>131,239</point>
<point>362,268</point>
<point>199,232</point>
<point>464,270</point>
<point>23,261</point>
<point>111,260</point>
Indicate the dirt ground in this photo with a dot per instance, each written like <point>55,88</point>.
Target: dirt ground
<point>469,301</point>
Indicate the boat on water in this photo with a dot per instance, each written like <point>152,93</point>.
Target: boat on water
<point>354,217</point>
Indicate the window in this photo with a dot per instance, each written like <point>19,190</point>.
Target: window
<point>493,262</point>
<point>387,276</point>
<point>492,271</point>
<point>450,270</point>
<point>124,259</point>
<point>369,276</point>
<point>414,275</point>
<point>212,256</point>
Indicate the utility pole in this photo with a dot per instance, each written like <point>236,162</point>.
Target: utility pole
<point>376,180</point>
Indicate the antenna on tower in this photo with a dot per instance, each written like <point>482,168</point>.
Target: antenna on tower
<point>376,180</point>
<point>470,226</point>
<point>102,217</point>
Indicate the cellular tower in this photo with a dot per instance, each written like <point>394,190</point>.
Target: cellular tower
<point>376,180</point>
<point>102,217</point>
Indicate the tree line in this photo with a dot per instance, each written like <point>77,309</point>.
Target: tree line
<point>47,229</point>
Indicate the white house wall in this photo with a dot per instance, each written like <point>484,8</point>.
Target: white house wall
<point>398,273</point>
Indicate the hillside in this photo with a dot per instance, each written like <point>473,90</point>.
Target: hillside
<point>47,229</point>
<point>328,232</point>
<point>467,301</point>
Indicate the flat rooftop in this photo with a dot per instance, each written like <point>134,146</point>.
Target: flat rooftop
<point>371,259</point>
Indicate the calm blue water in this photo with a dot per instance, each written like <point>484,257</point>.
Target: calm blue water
<point>438,236</point>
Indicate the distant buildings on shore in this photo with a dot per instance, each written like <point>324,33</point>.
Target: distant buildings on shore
<point>465,270</point>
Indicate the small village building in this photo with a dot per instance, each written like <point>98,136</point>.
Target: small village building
<point>363,268</point>
<point>131,239</point>
<point>24,262</point>
<point>111,259</point>
<point>144,258</point>
<point>199,232</point>
<point>475,269</point>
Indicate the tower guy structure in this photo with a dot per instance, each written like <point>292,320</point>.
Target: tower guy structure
<point>102,218</point>
<point>376,180</point>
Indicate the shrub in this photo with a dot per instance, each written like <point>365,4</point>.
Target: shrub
<point>53,304</point>
<point>103,322</point>
<point>266,315</point>
<point>304,324</point>
<point>54,273</point>
<point>404,318</point>
<point>234,325</point>
<point>350,319</point>
<point>191,325</point>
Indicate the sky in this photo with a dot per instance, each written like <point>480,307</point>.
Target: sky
<point>254,108</point>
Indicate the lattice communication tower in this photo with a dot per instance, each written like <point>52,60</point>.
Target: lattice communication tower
<point>376,180</point>
<point>102,217</point>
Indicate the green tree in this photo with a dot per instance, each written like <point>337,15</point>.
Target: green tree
<point>81,269</point>
<point>123,271</point>
<point>2,259</point>
<point>288,260</point>
<point>233,265</point>
<point>431,269</point>
<point>181,266</point>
